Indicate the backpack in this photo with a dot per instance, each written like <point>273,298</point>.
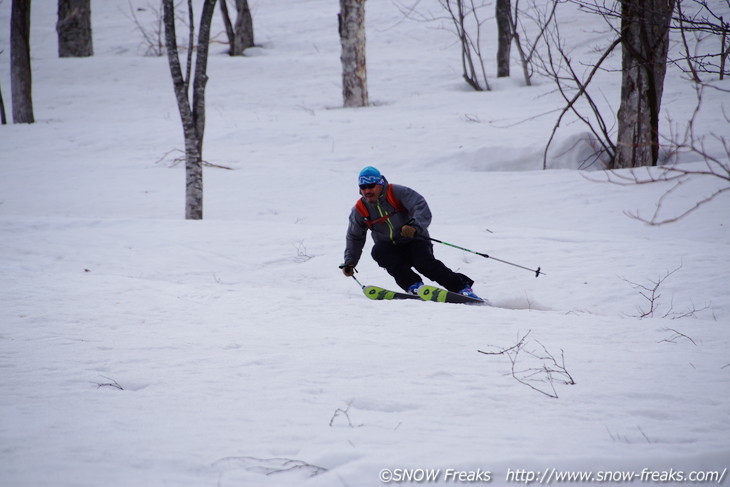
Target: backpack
<point>390,197</point>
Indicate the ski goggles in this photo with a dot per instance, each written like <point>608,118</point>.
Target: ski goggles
<point>369,181</point>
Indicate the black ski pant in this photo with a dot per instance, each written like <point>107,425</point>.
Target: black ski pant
<point>399,260</point>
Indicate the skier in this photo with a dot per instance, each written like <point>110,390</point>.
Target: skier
<point>398,218</point>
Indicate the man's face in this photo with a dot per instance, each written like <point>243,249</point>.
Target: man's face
<point>371,192</point>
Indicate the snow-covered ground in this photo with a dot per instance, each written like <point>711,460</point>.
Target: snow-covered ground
<point>137,348</point>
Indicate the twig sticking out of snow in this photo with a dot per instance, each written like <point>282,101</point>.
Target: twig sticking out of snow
<point>549,370</point>
<point>651,293</point>
<point>270,466</point>
<point>676,336</point>
<point>344,412</point>
<point>113,384</point>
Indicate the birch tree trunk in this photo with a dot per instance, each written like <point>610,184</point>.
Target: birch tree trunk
<point>20,74</point>
<point>3,119</point>
<point>192,114</point>
<point>74,28</point>
<point>352,40</point>
<point>240,32</point>
<point>644,40</point>
<point>504,37</point>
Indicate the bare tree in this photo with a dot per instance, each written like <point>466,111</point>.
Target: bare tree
<point>74,28</point>
<point>573,86</point>
<point>464,19</point>
<point>3,118</point>
<point>527,48</point>
<point>683,141</point>
<point>705,36</point>
<point>504,36</point>
<point>20,74</point>
<point>240,32</point>
<point>351,20</point>
<point>644,38</point>
<point>192,113</point>
<point>468,27</point>
<point>503,14</point>
<point>152,32</point>
<point>645,42</point>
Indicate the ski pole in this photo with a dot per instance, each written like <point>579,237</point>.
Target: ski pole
<point>536,271</point>
<point>361,284</point>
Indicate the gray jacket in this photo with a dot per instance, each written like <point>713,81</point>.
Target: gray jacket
<point>387,231</point>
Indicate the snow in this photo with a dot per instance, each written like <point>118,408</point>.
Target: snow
<point>138,348</point>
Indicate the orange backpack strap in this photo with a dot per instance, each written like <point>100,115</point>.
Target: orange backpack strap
<point>360,207</point>
<point>394,202</point>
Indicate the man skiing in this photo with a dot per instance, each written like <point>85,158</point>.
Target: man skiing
<point>398,218</point>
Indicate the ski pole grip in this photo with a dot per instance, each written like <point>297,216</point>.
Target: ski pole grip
<point>342,266</point>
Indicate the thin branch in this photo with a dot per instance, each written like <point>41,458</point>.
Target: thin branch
<point>685,142</point>
<point>650,293</point>
<point>343,412</point>
<point>583,86</point>
<point>113,384</point>
<point>549,370</point>
<point>676,336</point>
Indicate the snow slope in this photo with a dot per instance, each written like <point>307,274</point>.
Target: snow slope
<point>137,348</point>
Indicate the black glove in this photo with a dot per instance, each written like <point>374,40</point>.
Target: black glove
<point>407,231</point>
<point>348,269</point>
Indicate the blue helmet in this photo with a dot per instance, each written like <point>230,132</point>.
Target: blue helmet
<point>369,175</point>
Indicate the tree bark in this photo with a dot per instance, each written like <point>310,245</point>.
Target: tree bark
<point>504,37</point>
<point>192,114</point>
<point>240,33</point>
<point>20,74</point>
<point>74,28</point>
<point>645,41</point>
<point>3,119</point>
<point>352,40</point>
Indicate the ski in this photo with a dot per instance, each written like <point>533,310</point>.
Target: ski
<point>425,293</point>
<point>379,293</point>
<point>433,293</point>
